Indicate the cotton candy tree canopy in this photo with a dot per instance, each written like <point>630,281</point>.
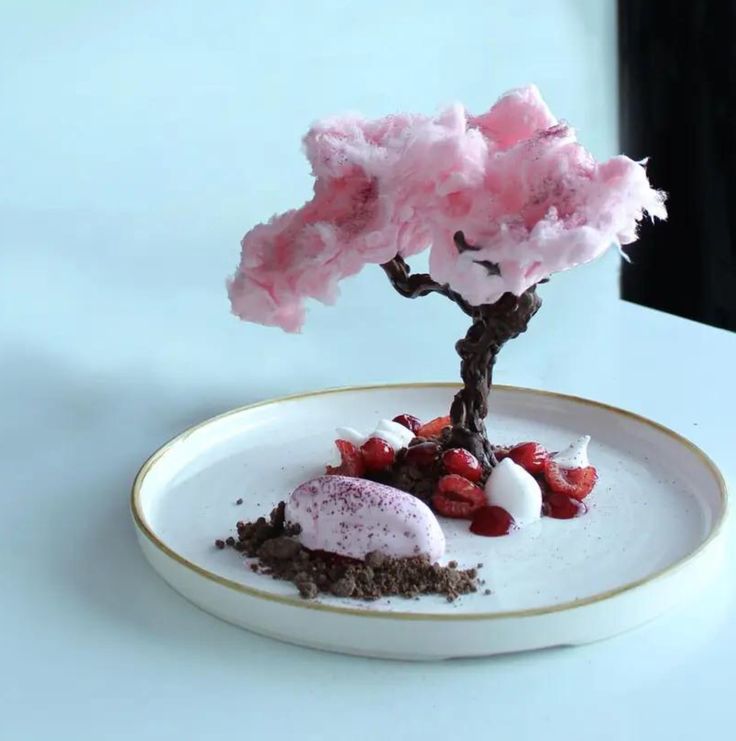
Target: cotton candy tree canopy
<point>503,200</point>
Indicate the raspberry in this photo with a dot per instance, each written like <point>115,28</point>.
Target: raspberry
<point>457,497</point>
<point>573,482</point>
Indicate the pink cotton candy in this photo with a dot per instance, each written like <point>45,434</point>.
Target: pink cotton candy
<point>513,180</point>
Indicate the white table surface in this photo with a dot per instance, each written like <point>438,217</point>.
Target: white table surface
<point>139,140</point>
<point>95,646</point>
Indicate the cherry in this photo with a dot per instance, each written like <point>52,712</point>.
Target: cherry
<point>562,507</point>
<point>409,421</point>
<point>463,463</point>
<point>491,522</point>
<point>377,453</point>
<point>422,454</point>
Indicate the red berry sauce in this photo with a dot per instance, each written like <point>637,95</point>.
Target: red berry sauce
<point>492,522</point>
<point>562,507</point>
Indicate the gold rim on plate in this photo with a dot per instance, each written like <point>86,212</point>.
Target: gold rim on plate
<point>304,604</point>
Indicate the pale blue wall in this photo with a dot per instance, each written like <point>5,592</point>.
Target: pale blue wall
<point>141,139</point>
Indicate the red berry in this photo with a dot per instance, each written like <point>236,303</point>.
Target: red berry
<point>573,482</point>
<point>491,522</point>
<point>377,454</point>
<point>409,421</point>
<point>434,427</point>
<point>563,507</point>
<point>448,507</point>
<point>463,463</point>
<point>530,456</point>
<point>457,497</point>
<point>352,460</point>
<point>461,489</point>
<point>422,454</point>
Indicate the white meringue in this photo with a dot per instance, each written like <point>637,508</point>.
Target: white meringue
<point>513,488</point>
<point>575,455</point>
<point>396,435</point>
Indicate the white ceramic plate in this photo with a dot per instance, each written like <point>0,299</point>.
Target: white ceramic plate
<point>650,538</point>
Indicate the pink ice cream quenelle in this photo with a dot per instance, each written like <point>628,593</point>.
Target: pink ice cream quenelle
<point>352,517</point>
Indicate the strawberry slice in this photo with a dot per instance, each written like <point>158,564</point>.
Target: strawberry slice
<point>434,427</point>
<point>576,483</point>
<point>530,456</point>
<point>457,497</point>
<point>352,463</point>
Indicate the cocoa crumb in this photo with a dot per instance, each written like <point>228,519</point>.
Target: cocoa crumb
<point>308,589</point>
<point>343,587</point>
<point>279,549</point>
<point>375,559</point>
<point>281,556</point>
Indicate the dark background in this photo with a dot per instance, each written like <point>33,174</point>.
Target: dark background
<point>677,71</point>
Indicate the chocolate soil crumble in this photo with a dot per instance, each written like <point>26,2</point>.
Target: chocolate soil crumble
<point>281,556</point>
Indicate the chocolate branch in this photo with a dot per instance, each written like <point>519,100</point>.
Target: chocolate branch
<point>420,284</point>
<point>493,325</point>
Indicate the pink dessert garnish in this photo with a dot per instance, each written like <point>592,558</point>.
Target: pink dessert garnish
<point>529,198</point>
<point>463,463</point>
<point>492,521</point>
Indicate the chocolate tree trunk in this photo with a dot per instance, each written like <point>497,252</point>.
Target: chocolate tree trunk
<point>493,325</point>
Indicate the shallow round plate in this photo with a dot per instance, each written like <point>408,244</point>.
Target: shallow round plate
<point>650,538</point>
